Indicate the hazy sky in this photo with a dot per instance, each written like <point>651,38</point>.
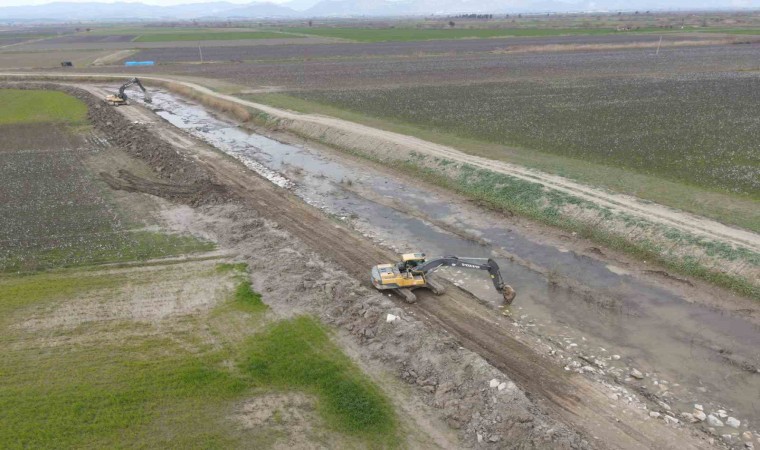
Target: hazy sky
<point>737,3</point>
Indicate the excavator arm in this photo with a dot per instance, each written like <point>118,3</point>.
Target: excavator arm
<point>123,95</point>
<point>471,263</point>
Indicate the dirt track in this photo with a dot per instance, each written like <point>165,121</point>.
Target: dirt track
<point>568,397</point>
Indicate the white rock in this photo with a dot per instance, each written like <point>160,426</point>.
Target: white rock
<point>722,414</point>
<point>664,405</point>
<point>698,407</point>
<point>747,435</point>
<point>700,415</point>
<point>714,421</point>
<point>391,318</point>
<point>654,414</point>
<point>494,383</point>
<point>502,386</point>
<point>689,417</point>
<point>727,438</point>
<point>480,438</point>
<point>733,422</point>
<point>637,374</point>
<point>615,357</point>
<point>670,420</point>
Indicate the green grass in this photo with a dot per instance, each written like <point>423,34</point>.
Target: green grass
<point>298,354</point>
<point>420,34</point>
<point>35,106</point>
<point>726,208</point>
<point>87,388</point>
<point>101,249</point>
<point>210,36</point>
<point>749,31</point>
<point>115,396</point>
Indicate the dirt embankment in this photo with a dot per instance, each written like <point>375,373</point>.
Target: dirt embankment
<point>178,178</point>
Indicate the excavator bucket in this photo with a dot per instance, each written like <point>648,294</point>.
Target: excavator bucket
<point>509,294</point>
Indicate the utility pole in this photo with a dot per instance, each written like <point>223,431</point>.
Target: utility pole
<point>200,52</point>
<point>658,46</point>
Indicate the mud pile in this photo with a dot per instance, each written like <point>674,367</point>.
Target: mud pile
<point>472,396</point>
<point>185,180</point>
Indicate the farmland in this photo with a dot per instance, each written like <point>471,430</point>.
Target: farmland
<point>208,36</point>
<point>156,352</point>
<point>662,127</point>
<point>417,34</point>
<point>342,51</point>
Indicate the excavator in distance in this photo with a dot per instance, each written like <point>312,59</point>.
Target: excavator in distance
<point>414,271</point>
<point>121,97</point>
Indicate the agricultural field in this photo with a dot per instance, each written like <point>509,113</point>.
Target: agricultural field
<point>132,346</point>
<point>55,213</point>
<point>209,36</point>
<point>312,51</point>
<point>214,369</point>
<point>652,126</point>
<point>422,34</point>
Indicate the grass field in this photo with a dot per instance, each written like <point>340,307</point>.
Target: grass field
<point>421,34</point>
<point>749,31</point>
<point>211,36</point>
<point>664,127</point>
<point>25,106</point>
<point>166,385</point>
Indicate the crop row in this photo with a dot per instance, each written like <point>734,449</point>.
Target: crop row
<point>703,130</point>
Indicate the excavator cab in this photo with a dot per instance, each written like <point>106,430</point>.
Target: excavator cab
<point>410,261</point>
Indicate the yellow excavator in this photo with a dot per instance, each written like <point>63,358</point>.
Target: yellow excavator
<point>121,97</point>
<point>414,271</point>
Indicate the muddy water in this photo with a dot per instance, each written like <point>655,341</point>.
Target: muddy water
<point>691,354</point>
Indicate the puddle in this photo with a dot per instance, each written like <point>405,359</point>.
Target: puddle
<point>688,346</point>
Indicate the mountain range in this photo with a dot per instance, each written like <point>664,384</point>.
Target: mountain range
<point>68,12</point>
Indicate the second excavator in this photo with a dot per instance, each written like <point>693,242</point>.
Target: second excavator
<point>414,272</point>
<point>121,97</point>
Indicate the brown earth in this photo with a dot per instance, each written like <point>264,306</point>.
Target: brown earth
<point>569,399</point>
<point>35,136</point>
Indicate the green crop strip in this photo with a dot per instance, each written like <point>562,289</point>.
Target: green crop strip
<point>297,354</point>
<point>415,34</point>
<point>151,390</point>
<point>211,36</point>
<point>35,106</point>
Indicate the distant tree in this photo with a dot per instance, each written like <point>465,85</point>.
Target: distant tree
<point>451,23</point>
<point>310,23</point>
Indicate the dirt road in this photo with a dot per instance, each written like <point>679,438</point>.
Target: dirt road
<point>620,203</point>
<point>569,397</point>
